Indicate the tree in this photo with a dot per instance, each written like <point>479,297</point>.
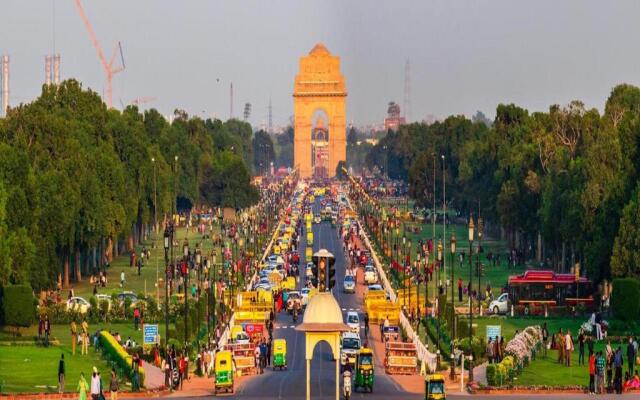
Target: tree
<point>18,306</point>
<point>263,151</point>
<point>340,170</point>
<point>625,260</point>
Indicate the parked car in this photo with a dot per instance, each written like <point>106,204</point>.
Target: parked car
<point>349,284</point>
<point>78,304</point>
<point>353,322</point>
<point>500,305</point>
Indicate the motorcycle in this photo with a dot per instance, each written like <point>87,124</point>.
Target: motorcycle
<point>346,384</point>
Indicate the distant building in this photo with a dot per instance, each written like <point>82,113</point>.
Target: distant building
<point>393,120</point>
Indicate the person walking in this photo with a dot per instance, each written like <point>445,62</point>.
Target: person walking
<point>47,330</point>
<point>269,344</point>
<point>74,338</point>
<point>366,324</point>
<point>545,339</point>
<point>618,363</point>
<point>609,358</point>
<point>181,368</point>
<point>135,367</point>
<point>95,385</point>
<point>460,290</point>
<point>561,344</point>
<point>568,348</point>
<point>256,355</point>
<point>592,374</point>
<point>489,351</point>
<point>85,337</point>
<point>136,318</point>
<point>581,339</point>
<point>631,355</point>
<point>122,280</point>
<point>61,372</point>
<point>82,388</point>
<point>114,385</point>
<point>600,367</point>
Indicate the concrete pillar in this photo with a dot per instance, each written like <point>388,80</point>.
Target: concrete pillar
<point>308,379</point>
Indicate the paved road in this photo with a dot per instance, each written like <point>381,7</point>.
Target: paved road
<point>290,384</point>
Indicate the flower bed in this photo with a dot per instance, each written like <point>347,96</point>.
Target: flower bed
<point>519,350</point>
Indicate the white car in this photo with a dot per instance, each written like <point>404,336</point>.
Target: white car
<point>349,348</point>
<point>349,284</point>
<point>353,322</point>
<point>500,305</point>
<point>78,304</point>
<point>370,275</point>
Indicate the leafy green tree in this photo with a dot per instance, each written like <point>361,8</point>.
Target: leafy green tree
<point>625,260</point>
<point>263,151</point>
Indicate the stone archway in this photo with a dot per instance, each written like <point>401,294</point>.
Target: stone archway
<point>319,85</point>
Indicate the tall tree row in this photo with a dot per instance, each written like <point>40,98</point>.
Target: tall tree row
<point>561,186</point>
<point>77,180</point>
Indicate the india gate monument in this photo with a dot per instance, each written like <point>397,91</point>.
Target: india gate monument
<point>319,96</point>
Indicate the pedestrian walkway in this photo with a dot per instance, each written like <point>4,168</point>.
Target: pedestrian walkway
<point>153,376</point>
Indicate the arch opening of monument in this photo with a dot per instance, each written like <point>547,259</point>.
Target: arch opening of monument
<point>319,114</point>
<point>320,146</point>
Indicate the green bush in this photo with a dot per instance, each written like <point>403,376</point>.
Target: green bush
<point>18,306</point>
<point>625,299</point>
<point>118,355</point>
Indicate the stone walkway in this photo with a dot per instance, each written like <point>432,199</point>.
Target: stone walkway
<point>154,378</point>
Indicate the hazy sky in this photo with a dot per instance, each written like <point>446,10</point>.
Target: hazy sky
<point>464,55</point>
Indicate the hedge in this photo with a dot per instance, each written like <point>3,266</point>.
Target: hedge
<point>625,299</point>
<point>119,355</point>
<point>502,372</point>
<point>18,305</point>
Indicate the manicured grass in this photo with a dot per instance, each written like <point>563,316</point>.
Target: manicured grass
<point>34,369</point>
<point>62,333</point>
<point>145,283</point>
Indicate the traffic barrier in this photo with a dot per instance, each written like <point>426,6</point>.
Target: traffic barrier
<point>423,354</point>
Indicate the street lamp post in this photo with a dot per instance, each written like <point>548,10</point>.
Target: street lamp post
<point>453,252</point>
<point>404,270</point>
<point>478,263</point>
<point>408,265</point>
<point>418,265</point>
<point>438,309</point>
<point>198,257</point>
<point>185,253</point>
<point>471,228</point>
<point>167,240</point>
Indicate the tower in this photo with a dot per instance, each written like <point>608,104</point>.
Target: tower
<point>270,117</point>
<point>56,69</point>
<point>5,83</point>
<point>47,70</point>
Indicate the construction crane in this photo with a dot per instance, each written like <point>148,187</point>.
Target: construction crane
<point>141,100</point>
<point>109,69</point>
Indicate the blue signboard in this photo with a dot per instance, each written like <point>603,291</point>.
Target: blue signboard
<point>494,331</point>
<point>150,333</point>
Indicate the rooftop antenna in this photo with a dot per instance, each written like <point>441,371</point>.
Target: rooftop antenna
<point>109,69</point>
<point>407,92</point>
<point>231,100</point>
<point>270,116</point>
<point>4,65</point>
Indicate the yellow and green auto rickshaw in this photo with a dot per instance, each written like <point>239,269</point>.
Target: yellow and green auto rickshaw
<point>279,354</point>
<point>434,387</point>
<point>224,372</point>
<point>364,370</point>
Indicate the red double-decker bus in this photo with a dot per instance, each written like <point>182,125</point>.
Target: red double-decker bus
<point>535,289</point>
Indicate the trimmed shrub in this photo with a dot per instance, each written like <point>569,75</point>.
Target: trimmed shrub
<point>18,306</point>
<point>625,299</point>
<point>118,355</point>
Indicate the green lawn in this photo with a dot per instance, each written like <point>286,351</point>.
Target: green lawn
<point>145,283</point>
<point>34,368</point>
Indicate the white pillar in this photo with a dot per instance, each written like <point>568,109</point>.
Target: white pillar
<point>308,379</point>
<point>337,378</point>
<point>462,373</point>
